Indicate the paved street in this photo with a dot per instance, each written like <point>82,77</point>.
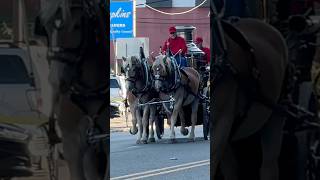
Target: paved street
<point>160,160</point>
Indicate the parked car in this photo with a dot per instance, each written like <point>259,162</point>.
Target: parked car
<point>116,95</point>
<point>19,102</point>
<point>18,83</point>
<point>15,158</point>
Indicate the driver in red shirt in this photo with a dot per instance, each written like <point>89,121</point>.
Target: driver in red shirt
<point>174,44</point>
<point>206,50</point>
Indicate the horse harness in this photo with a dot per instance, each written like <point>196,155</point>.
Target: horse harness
<point>175,79</point>
<point>140,93</point>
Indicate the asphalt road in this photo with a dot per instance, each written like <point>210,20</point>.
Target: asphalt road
<point>161,160</point>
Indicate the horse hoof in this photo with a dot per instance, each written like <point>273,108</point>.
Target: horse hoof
<point>185,132</point>
<point>134,132</point>
<point>144,142</point>
<point>138,142</point>
<point>152,140</point>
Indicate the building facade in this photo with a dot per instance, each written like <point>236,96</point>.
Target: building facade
<point>154,25</point>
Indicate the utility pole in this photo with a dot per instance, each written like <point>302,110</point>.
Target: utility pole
<point>18,21</point>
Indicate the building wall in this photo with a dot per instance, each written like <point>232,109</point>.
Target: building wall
<point>155,25</point>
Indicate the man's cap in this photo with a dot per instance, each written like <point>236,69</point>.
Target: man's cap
<point>172,30</point>
<point>199,40</point>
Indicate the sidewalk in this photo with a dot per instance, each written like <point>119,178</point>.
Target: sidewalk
<point>118,124</point>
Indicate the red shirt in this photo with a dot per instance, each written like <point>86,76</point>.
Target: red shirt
<point>175,44</point>
<point>206,54</point>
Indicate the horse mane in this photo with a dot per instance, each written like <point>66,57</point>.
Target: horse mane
<point>159,60</point>
<point>134,59</point>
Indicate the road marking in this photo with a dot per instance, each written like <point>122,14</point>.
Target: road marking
<point>165,170</point>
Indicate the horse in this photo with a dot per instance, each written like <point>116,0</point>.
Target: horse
<point>247,84</point>
<point>139,85</point>
<point>180,84</point>
<point>78,58</point>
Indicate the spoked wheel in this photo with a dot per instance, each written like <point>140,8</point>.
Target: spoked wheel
<point>206,115</point>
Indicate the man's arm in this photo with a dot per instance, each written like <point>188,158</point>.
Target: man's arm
<point>184,46</point>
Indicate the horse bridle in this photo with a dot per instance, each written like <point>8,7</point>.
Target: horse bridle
<point>177,76</point>
<point>143,67</point>
<point>73,58</point>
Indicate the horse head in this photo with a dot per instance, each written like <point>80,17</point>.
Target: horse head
<point>133,70</point>
<point>249,86</point>
<point>66,25</point>
<point>161,71</point>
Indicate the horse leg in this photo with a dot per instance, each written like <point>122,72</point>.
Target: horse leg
<point>140,127</point>
<point>133,129</point>
<point>184,131</point>
<point>145,124</point>
<point>271,140</point>
<point>151,121</point>
<point>194,117</point>
<point>174,116</point>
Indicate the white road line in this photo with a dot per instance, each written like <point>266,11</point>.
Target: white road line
<point>170,171</point>
<point>161,169</point>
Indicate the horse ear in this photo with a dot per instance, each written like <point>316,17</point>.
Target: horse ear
<point>122,70</point>
<point>39,28</point>
<point>124,59</point>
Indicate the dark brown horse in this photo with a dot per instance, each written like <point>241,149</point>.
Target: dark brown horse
<point>75,30</point>
<point>244,97</point>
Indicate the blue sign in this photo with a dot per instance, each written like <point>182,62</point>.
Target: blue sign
<point>121,19</point>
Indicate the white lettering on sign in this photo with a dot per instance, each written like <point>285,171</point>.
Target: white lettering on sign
<point>120,13</point>
<point>118,25</point>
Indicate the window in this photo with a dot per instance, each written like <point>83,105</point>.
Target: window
<point>114,83</point>
<point>184,3</point>
<point>12,70</point>
<point>159,3</point>
<point>206,4</point>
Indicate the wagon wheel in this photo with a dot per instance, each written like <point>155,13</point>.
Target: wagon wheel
<point>206,115</point>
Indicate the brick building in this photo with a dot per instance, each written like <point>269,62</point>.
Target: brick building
<point>152,24</point>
